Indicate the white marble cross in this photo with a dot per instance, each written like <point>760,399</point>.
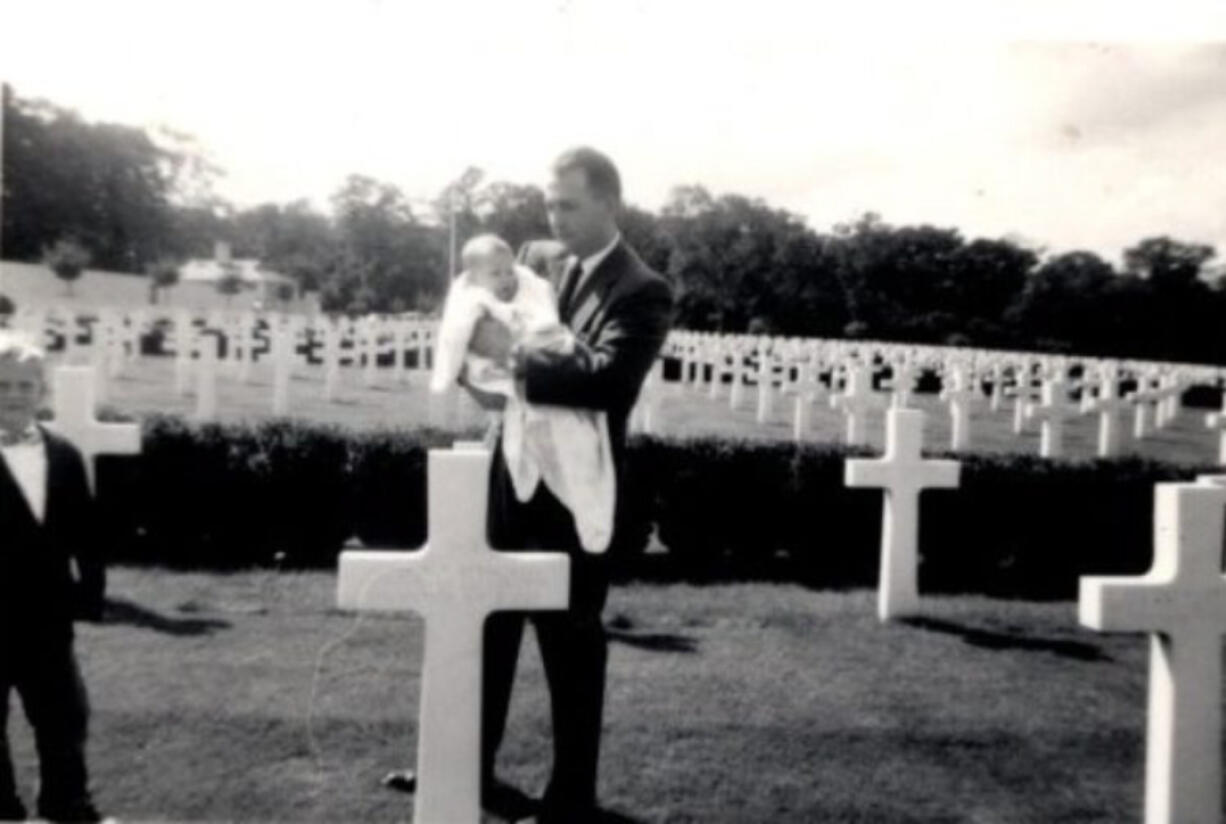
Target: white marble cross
<point>1053,412</point>
<point>368,331</point>
<point>902,383</point>
<point>1022,393</point>
<point>766,383</point>
<point>736,392</point>
<point>1108,405</point>
<point>1169,391</point>
<point>857,399</point>
<point>73,404</point>
<point>960,393</point>
<point>1144,399</point>
<point>1217,420</point>
<point>184,336</point>
<point>331,357</point>
<point>284,337</point>
<point>206,376</point>
<point>998,384</point>
<point>454,582</point>
<point>903,474</point>
<point>1181,603</point>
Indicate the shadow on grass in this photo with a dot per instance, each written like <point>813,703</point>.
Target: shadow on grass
<point>653,641</point>
<point>994,640</point>
<point>614,817</point>
<point>129,613</point>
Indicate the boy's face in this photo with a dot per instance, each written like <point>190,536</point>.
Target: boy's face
<point>22,390</point>
<point>496,273</point>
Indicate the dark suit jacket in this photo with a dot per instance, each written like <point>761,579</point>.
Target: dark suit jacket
<point>39,594</point>
<point>620,316</point>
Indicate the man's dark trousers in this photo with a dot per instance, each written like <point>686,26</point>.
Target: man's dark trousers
<point>574,648</point>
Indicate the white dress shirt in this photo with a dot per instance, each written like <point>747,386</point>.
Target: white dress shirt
<point>27,462</point>
<point>589,263</point>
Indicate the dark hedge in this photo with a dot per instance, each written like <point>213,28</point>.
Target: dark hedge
<point>230,495</point>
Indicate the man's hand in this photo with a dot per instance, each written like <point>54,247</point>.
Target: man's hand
<point>492,340</point>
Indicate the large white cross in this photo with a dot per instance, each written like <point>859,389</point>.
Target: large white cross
<point>1181,603</point>
<point>454,582</point>
<point>73,403</point>
<point>903,474</point>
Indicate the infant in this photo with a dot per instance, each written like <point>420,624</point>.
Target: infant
<point>567,449</point>
<point>493,289</point>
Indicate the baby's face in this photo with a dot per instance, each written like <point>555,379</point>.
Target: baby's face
<point>496,273</point>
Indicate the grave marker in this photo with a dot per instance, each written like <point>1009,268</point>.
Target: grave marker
<point>1053,412</point>
<point>1181,603</point>
<point>73,403</point>
<point>903,474</point>
<point>454,582</point>
<point>856,400</point>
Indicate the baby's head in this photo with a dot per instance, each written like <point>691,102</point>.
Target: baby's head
<point>490,263</point>
<point>22,383</point>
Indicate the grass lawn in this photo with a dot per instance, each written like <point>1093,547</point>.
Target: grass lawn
<point>248,697</point>
<point>148,386</point>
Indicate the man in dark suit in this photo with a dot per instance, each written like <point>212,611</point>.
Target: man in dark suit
<point>620,311</point>
<point>47,522</point>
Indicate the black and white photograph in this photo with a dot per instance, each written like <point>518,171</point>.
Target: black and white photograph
<point>593,412</point>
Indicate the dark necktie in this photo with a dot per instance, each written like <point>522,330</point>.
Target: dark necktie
<point>569,284</point>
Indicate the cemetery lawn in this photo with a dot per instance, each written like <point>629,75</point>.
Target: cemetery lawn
<point>247,696</point>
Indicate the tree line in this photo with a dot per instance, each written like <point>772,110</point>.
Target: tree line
<point>139,202</point>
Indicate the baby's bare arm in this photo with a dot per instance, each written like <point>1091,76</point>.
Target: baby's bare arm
<point>491,339</point>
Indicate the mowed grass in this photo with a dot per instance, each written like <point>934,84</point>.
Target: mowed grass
<point>248,697</point>
<point>147,386</point>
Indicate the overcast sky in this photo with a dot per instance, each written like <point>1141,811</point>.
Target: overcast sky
<point>1072,124</point>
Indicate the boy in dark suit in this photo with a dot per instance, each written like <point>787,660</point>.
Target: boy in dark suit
<point>47,521</point>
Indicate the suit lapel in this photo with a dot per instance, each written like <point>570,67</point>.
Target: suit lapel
<point>11,496</point>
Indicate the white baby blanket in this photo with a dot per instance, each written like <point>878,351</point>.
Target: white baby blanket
<point>567,448</point>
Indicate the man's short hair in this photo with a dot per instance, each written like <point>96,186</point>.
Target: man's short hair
<point>602,176</point>
<point>18,348</point>
<point>482,247</point>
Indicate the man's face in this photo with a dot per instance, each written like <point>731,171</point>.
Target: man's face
<point>578,218</point>
<point>21,393</point>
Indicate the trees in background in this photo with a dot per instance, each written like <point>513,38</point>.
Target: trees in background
<point>134,203</point>
<point>67,259</point>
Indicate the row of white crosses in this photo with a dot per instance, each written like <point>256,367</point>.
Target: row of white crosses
<point>782,365</point>
<point>776,367</point>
